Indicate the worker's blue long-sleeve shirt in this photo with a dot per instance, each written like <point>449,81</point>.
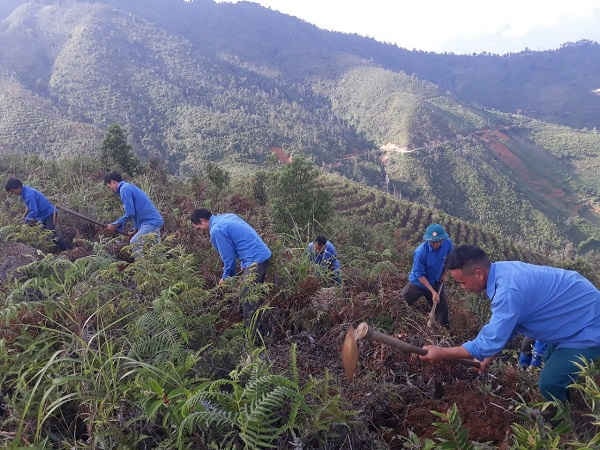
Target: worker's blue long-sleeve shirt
<point>327,258</point>
<point>429,263</point>
<point>138,207</point>
<point>235,239</point>
<point>555,306</point>
<point>38,207</point>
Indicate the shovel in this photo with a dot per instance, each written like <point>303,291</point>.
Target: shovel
<point>363,331</point>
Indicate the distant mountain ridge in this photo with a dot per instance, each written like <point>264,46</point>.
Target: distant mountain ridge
<point>196,82</point>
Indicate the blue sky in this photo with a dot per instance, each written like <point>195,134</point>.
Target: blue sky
<point>460,26</point>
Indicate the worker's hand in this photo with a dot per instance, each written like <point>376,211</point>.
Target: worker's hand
<point>111,227</point>
<point>221,282</point>
<point>435,296</point>
<point>434,353</point>
<point>485,364</point>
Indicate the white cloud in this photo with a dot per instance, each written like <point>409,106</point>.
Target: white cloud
<point>439,24</point>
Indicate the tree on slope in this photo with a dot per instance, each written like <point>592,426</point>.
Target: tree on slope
<point>297,198</point>
<point>117,152</point>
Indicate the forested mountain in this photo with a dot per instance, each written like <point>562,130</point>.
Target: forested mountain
<point>101,350</point>
<point>554,85</point>
<point>193,82</point>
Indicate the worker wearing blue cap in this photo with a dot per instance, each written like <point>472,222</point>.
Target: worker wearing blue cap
<point>425,278</point>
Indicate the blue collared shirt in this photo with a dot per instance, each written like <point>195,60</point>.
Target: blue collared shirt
<point>555,306</point>
<point>234,239</point>
<point>429,263</point>
<point>327,258</point>
<point>138,207</point>
<point>38,207</point>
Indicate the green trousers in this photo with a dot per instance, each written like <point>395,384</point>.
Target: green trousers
<point>560,370</point>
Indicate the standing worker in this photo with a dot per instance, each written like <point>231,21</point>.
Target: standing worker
<point>322,253</point>
<point>138,208</point>
<point>558,307</point>
<point>235,239</point>
<point>425,278</point>
<point>39,208</point>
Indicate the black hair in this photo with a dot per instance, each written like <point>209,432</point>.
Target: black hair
<point>464,257</point>
<point>13,183</point>
<point>199,214</point>
<point>321,240</point>
<point>112,176</point>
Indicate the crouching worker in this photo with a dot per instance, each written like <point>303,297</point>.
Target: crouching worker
<point>322,253</point>
<point>556,306</point>
<point>531,353</point>
<point>39,208</point>
<point>425,278</point>
<point>235,239</point>
<point>138,208</point>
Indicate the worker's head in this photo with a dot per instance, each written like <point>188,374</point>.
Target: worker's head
<point>112,180</point>
<point>469,266</point>
<point>435,234</point>
<point>319,243</point>
<point>14,186</point>
<point>201,219</point>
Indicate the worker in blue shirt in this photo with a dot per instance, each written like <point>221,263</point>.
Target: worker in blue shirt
<point>532,353</point>
<point>138,208</point>
<point>425,278</point>
<point>39,208</point>
<point>556,306</point>
<point>235,239</point>
<point>322,253</point>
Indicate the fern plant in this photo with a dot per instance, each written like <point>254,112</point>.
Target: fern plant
<point>253,406</point>
<point>450,431</point>
<point>35,236</point>
<point>450,434</point>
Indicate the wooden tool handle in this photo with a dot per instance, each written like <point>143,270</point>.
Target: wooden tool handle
<point>469,362</point>
<point>363,331</point>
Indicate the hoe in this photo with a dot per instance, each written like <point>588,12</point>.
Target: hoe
<point>363,331</point>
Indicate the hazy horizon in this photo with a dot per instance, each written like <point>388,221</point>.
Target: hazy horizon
<point>464,26</point>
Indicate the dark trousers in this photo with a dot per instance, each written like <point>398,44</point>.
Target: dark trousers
<point>48,222</point>
<point>411,293</point>
<point>259,272</point>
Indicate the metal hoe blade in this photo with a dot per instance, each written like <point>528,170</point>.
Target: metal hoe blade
<point>350,353</point>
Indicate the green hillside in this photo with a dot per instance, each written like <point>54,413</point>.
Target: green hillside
<point>178,104</point>
<point>96,350</point>
<point>31,124</point>
<point>516,176</point>
<point>392,107</point>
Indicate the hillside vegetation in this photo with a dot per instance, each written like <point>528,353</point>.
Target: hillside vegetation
<point>99,352</point>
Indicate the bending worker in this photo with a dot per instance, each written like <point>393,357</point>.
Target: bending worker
<point>322,253</point>
<point>39,208</point>
<point>138,208</point>
<point>556,306</point>
<point>235,239</point>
